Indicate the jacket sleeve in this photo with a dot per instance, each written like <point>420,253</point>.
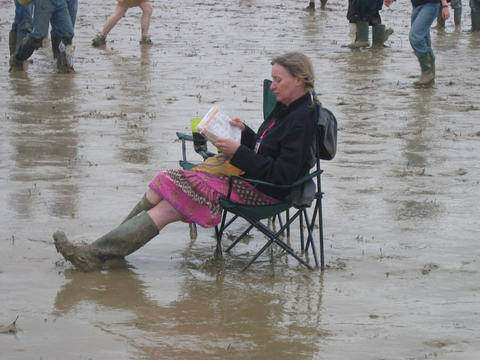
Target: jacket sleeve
<point>290,161</point>
<point>249,137</point>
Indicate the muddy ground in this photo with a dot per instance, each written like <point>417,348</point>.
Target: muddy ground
<point>400,207</point>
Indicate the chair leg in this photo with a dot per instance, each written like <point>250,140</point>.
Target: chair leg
<point>310,238</point>
<point>274,238</point>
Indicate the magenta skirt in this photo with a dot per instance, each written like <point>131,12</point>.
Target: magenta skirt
<point>196,194</point>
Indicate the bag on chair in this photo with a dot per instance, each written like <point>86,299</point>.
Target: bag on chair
<point>218,165</point>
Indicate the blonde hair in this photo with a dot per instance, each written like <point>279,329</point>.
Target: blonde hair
<point>299,66</point>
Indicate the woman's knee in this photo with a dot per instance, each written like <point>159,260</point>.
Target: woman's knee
<point>147,8</point>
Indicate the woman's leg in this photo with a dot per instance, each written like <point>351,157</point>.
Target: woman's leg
<point>163,214</point>
<point>147,11</point>
<point>112,20</point>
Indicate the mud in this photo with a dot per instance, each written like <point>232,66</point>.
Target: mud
<point>400,208</point>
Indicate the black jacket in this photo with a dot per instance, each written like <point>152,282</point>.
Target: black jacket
<point>284,152</point>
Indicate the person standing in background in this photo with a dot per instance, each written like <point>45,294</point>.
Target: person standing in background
<point>22,25</point>
<point>46,11</point>
<point>424,14</point>
<point>119,12</point>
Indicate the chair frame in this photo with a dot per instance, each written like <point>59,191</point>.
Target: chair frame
<point>239,210</point>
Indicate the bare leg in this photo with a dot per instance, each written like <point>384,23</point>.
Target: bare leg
<point>153,197</point>
<point>147,11</point>
<point>163,214</point>
<point>112,20</point>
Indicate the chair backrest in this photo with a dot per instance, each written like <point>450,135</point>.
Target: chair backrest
<point>269,98</point>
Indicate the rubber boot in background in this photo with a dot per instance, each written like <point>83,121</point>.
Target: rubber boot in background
<point>118,243</point>
<point>380,34</point>
<point>457,16</point>
<point>361,39</point>
<point>24,50</point>
<point>12,39</point>
<point>311,6</point>
<point>55,40</point>
<point>352,34</point>
<point>475,16</point>
<point>323,4</point>
<point>65,58</point>
<point>427,77</point>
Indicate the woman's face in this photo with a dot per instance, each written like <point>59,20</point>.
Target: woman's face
<point>286,87</point>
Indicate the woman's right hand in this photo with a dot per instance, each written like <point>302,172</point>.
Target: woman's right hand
<point>237,123</point>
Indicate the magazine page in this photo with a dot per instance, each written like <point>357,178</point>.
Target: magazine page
<point>217,123</point>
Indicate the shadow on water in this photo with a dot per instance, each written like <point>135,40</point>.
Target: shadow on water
<point>216,316</point>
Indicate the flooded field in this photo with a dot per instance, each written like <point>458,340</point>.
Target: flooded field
<point>401,202</point>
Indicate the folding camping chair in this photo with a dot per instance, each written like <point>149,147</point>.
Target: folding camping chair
<point>305,194</point>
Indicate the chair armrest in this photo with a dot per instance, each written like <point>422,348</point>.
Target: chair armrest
<point>183,136</point>
<point>300,181</point>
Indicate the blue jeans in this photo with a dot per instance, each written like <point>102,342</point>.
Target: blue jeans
<point>72,6</point>
<point>475,5</point>
<point>23,19</point>
<point>56,12</point>
<point>456,4</point>
<point>422,19</point>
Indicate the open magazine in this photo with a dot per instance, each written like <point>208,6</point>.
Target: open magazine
<point>217,123</point>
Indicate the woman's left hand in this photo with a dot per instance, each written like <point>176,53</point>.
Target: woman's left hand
<point>227,146</point>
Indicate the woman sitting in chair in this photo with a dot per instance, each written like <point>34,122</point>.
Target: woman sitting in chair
<point>278,153</point>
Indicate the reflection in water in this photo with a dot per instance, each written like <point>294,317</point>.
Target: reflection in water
<point>45,140</point>
<point>135,148</point>
<point>215,316</point>
<point>418,142</point>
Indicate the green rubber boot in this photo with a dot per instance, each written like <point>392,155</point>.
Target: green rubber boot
<point>118,243</point>
<point>427,78</point>
<point>323,4</point>
<point>142,205</point>
<point>12,40</point>
<point>362,35</point>
<point>380,34</point>
<point>475,20</point>
<point>457,16</point>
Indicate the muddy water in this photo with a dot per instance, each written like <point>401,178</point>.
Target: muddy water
<point>401,202</point>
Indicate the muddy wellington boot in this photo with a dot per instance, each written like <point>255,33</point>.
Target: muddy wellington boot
<point>457,16</point>
<point>118,243</point>
<point>362,35</point>
<point>12,39</point>
<point>323,4</point>
<point>55,40</point>
<point>99,40</point>
<point>311,6</point>
<point>380,34</point>
<point>427,78</point>
<point>475,16</point>
<point>142,205</point>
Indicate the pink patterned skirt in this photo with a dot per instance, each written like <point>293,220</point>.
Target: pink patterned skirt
<point>196,194</point>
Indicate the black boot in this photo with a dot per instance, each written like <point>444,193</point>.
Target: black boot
<point>56,40</point>
<point>142,205</point>
<point>118,243</point>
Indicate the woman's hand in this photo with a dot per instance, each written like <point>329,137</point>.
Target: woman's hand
<point>237,123</point>
<point>227,146</point>
<point>387,3</point>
